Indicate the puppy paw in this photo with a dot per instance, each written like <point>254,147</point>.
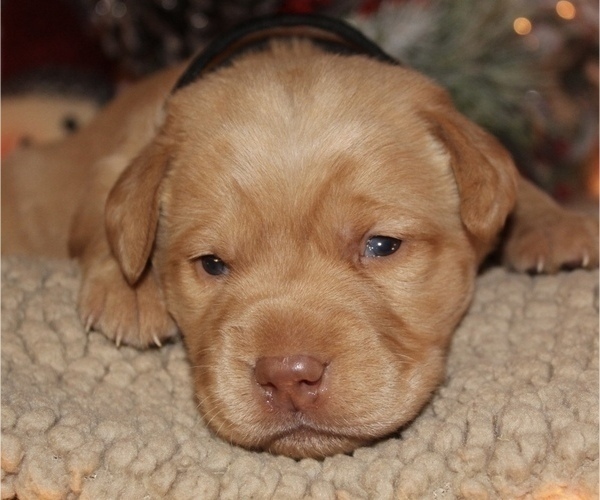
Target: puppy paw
<point>555,241</point>
<point>131,315</point>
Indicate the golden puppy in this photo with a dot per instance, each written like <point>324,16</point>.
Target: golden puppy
<point>311,222</point>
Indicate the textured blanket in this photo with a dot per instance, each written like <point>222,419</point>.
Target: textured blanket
<point>517,416</point>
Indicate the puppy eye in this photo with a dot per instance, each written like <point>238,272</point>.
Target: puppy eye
<point>381,246</point>
<point>213,265</point>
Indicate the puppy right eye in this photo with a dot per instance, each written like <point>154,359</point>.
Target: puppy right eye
<point>381,246</point>
<point>213,265</point>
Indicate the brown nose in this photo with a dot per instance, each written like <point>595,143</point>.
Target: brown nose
<point>290,383</point>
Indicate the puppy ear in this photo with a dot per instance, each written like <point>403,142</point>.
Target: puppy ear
<point>131,213</point>
<point>485,175</point>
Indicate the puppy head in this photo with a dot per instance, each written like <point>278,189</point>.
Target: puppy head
<point>316,222</point>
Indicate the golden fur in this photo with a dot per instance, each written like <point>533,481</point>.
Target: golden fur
<point>284,165</point>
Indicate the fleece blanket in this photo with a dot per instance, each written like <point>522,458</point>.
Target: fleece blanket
<point>517,416</point>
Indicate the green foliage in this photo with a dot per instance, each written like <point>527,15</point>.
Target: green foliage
<point>469,47</point>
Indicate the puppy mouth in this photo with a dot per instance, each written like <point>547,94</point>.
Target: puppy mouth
<point>306,440</point>
<point>299,435</point>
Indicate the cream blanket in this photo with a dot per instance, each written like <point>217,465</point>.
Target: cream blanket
<point>516,418</point>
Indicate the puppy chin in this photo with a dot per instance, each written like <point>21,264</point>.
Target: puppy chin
<point>296,434</point>
<point>304,442</point>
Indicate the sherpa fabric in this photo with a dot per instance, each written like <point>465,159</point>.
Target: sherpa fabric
<point>516,418</point>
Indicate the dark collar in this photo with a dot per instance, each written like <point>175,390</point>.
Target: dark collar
<point>330,34</point>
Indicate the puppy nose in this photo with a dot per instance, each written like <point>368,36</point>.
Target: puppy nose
<point>290,383</point>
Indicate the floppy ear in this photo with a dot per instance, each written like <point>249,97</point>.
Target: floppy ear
<point>131,213</point>
<point>485,175</point>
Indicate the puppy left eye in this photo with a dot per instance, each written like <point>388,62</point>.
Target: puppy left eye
<point>213,265</point>
<point>381,246</point>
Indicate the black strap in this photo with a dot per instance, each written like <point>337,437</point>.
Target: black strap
<point>331,34</point>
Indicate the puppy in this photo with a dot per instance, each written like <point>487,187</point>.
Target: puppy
<point>311,222</point>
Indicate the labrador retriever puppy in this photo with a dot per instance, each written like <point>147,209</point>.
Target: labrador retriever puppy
<point>311,221</point>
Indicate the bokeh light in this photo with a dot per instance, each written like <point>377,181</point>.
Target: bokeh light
<point>522,26</point>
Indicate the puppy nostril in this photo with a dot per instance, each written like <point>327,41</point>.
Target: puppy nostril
<point>290,382</point>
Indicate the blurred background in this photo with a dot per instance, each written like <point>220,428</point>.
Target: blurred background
<point>527,70</point>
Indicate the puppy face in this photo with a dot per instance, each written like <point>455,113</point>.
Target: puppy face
<point>314,243</point>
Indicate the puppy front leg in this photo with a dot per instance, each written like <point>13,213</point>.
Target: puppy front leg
<point>543,237</point>
<point>131,314</point>
<point>135,315</point>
